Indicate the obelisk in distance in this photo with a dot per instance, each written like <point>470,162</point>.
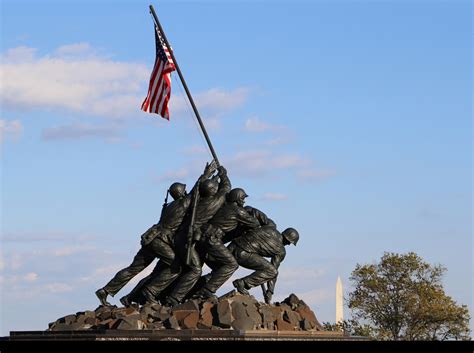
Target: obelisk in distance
<point>339,301</point>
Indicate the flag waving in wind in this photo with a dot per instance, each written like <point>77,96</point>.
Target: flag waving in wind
<point>159,91</point>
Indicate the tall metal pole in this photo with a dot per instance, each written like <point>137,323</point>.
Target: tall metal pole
<point>157,22</point>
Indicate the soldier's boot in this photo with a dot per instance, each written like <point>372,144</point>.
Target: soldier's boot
<point>149,297</point>
<point>170,301</point>
<point>125,300</point>
<point>239,284</point>
<point>204,293</point>
<point>102,295</point>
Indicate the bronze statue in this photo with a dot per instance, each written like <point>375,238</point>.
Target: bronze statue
<point>192,231</point>
<point>211,201</point>
<point>250,251</point>
<point>222,263</point>
<point>158,240</point>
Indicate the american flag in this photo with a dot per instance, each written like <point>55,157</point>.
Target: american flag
<point>159,91</point>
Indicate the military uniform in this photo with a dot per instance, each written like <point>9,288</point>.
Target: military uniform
<point>250,251</point>
<point>207,207</point>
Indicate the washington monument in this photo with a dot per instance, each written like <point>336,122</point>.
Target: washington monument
<point>339,301</point>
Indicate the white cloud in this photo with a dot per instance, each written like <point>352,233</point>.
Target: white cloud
<point>273,196</point>
<point>286,161</point>
<point>18,55</point>
<point>259,163</point>
<point>77,78</point>
<point>174,175</point>
<point>110,132</point>
<point>15,262</point>
<point>27,237</point>
<point>70,250</point>
<point>103,273</point>
<point>310,174</point>
<point>74,50</point>
<point>58,287</point>
<point>67,79</point>
<point>212,123</point>
<point>256,125</point>
<point>217,99</point>
<point>10,129</point>
<point>212,104</point>
<point>280,140</point>
<point>194,150</point>
<point>30,277</point>
<point>2,263</point>
<point>256,164</point>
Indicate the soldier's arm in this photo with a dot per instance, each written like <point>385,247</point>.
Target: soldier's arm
<point>208,171</point>
<point>247,220</point>
<point>224,184</point>
<point>276,261</point>
<point>260,216</point>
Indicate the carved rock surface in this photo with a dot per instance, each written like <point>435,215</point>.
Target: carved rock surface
<point>231,311</point>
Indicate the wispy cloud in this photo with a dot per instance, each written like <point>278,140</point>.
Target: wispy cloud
<point>259,163</point>
<point>19,54</point>
<point>77,78</point>
<point>213,104</point>
<point>109,132</point>
<point>280,140</point>
<point>10,130</point>
<point>58,287</point>
<point>185,174</point>
<point>273,196</point>
<point>70,250</point>
<point>194,150</point>
<point>76,49</point>
<point>30,277</point>
<point>24,278</point>
<point>174,175</point>
<point>312,175</point>
<point>219,100</point>
<point>256,125</point>
<point>50,236</point>
<point>73,78</point>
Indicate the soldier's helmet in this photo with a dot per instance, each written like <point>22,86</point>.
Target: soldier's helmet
<point>208,187</point>
<point>237,195</point>
<point>291,234</point>
<point>177,190</point>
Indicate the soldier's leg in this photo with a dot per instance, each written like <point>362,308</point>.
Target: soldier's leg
<point>223,263</point>
<point>135,295</point>
<point>163,275</point>
<point>190,275</point>
<point>142,259</point>
<point>264,270</point>
<point>163,250</point>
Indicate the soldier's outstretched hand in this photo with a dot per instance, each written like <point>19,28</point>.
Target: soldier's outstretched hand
<point>210,168</point>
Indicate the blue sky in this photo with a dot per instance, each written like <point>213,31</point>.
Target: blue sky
<point>347,120</point>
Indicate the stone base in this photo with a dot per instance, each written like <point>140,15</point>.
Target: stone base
<point>180,335</point>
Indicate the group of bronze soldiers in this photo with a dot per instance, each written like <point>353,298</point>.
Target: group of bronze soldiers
<point>191,232</point>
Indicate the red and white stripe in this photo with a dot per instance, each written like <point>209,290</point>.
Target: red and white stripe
<point>159,91</point>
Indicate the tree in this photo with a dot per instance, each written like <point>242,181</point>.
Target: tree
<point>402,298</point>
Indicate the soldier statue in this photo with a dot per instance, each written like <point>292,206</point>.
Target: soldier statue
<point>158,240</point>
<point>251,250</point>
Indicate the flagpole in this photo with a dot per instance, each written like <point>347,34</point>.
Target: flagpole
<point>157,22</point>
